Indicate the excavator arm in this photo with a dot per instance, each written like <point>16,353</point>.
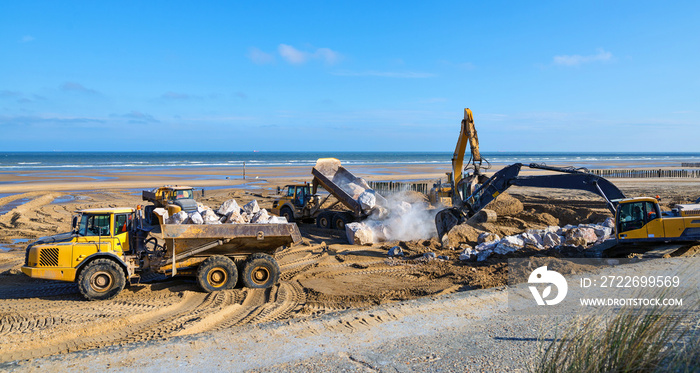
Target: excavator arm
<point>508,176</point>
<point>467,135</point>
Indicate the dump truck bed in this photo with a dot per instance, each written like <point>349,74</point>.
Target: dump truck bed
<point>236,239</point>
<point>336,191</point>
<point>331,181</point>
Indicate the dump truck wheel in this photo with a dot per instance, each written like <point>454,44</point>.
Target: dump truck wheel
<point>260,271</point>
<point>101,279</point>
<point>323,220</point>
<point>287,213</point>
<point>217,273</point>
<point>339,220</point>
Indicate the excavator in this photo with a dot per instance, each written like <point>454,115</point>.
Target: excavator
<point>638,220</point>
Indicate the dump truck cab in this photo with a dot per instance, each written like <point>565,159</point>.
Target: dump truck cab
<point>641,220</point>
<point>172,197</point>
<point>98,238</point>
<point>295,202</point>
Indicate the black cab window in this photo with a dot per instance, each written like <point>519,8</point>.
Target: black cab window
<point>121,223</point>
<point>631,216</point>
<point>94,225</point>
<point>650,211</point>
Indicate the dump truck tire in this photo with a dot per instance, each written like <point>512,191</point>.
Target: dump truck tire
<point>288,214</point>
<point>260,271</point>
<point>323,220</point>
<point>217,273</point>
<point>101,279</point>
<point>340,219</point>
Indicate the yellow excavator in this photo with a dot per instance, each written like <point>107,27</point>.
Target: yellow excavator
<point>443,193</point>
<point>637,220</point>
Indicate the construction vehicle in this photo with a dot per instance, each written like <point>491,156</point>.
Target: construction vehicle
<point>108,248</point>
<point>640,220</point>
<point>173,198</point>
<point>303,202</point>
<point>443,194</point>
<point>636,219</point>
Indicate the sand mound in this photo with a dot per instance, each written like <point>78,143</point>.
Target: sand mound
<point>463,233</point>
<point>538,219</point>
<point>506,205</point>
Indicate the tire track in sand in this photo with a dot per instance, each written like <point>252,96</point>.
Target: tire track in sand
<point>100,333</point>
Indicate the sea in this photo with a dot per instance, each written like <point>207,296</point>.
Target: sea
<point>19,161</point>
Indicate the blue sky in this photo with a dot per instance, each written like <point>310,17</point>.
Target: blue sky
<point>350,75</point>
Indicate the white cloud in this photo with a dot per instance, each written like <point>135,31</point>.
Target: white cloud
<point>259,57</point>
<point>329,56</point>
<point>386,74</point>
<point>576,60</point>
<point>292,55</point>
<point>26,39</point>
<point>298,57</point>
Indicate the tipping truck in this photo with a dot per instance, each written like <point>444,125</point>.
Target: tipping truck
<point>302,202</point>
<point>174,198</point>
<point>109,248</point>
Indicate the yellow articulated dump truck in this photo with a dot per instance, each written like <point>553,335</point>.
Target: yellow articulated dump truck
<point>109,248</point>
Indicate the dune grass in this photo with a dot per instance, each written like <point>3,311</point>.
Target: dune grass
<point>657,340</point>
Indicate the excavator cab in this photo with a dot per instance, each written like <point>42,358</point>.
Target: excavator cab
<point>639,218</point>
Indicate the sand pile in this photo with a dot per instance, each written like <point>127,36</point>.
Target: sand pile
<point>505,205</point>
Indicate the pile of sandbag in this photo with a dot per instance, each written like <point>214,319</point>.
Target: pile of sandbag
<point>228,213</point>
<point>540,239</point>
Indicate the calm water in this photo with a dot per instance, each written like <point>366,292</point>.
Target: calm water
<point>17,161</point>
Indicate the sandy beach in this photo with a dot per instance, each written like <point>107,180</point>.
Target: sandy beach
<point>321,276</point>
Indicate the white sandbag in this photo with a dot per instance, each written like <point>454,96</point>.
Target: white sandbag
<point>196,218</point>
<point>260,217</point>
<point>210,217</point>
<point>251,208</point>
<point>359,234</point>
<point>178,218</point>
<point>327,166</point>
<point>277,220</point>
<point>235,217</point>
<point>367,200</point>
<point>228,206</point>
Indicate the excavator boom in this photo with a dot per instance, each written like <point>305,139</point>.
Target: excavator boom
<point>471,194</point>
<point>467,134</point>
<point>509,176</point>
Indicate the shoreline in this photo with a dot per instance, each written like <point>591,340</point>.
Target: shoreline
<point>222,177</point>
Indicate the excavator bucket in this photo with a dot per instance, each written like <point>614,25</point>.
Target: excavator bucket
<point>447,219</point>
